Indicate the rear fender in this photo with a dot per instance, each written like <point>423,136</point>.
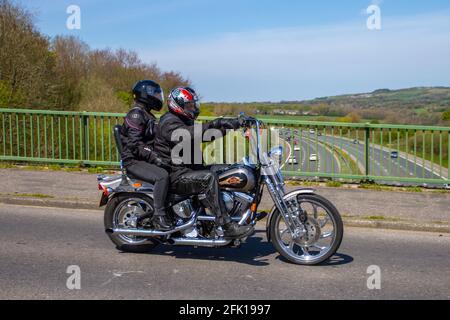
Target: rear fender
<point>114,186</point>
<point>107,198</point>
<point>286,196</point>
<point>129,194</point>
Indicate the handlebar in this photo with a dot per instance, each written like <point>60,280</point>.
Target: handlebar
<point>247,122</point>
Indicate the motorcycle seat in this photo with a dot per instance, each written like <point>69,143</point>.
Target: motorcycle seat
<point>172,197</point>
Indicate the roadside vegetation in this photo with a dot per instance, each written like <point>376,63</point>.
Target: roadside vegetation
<point>31,195</point>
<point>57,167</point>
<point>64,73</point>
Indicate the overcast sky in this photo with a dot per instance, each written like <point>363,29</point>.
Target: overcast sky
<point>260,50</point>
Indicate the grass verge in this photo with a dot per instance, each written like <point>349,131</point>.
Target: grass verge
<point>31,195</point>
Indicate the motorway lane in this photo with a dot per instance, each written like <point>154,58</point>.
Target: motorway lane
<point>382,163</point>
<point>302,156</point>
<point>380,159</point>
<point>38,244</point>
<point>326,162</point>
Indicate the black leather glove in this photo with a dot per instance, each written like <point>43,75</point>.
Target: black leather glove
<point>231,123</point>
<point>216,123</point>
<point>244,122</point>
<point>160,163</point>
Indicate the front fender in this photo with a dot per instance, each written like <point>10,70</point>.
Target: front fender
<point>287,195</point>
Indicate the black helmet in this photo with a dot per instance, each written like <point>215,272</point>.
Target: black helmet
<point>149,93</point>
<point>184,101</point>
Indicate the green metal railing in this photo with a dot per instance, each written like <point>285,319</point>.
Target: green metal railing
<point>58,137</point>
<point>371,152</point>
<point>354,151</point>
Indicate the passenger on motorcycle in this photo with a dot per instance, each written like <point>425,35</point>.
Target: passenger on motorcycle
<point>138,156</point>
<point>193,178</point>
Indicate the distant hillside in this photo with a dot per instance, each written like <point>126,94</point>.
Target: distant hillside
<point>436,98</point>
<point>420,105</point>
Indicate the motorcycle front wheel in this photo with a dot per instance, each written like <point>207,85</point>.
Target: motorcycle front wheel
<point>320,238</point>
<point>122,212</point>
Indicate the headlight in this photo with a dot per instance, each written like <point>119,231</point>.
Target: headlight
<point>276,156</point>
<point>276,152</point>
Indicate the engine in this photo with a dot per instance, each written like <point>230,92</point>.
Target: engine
<point>236,202</point>
<point>184,209</point>
<point>228,199</point>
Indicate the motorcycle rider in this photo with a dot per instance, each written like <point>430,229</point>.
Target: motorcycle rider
<point>194,178</point>
<point>138,156</point>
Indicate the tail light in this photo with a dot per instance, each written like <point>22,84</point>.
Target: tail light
<point>104,189</point>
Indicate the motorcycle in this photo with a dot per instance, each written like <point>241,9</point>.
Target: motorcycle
<point>304,227</point>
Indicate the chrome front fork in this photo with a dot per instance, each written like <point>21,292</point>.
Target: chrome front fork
<point>290,211</point>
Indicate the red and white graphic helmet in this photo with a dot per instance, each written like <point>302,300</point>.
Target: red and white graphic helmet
<point>184,101</point>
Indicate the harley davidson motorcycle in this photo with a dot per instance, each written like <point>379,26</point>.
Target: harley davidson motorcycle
<point>304,227</point>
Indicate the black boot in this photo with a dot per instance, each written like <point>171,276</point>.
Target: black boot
<point>235,231</point>
<point>162,223</point>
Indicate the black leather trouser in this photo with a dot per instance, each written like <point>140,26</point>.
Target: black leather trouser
<point>203,182</point>
<point>153,174</point>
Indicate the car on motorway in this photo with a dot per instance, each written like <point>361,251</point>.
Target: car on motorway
<point>394,154</point>
<point>313,157</point>
<point>292,160</point>
<point>296,148</point>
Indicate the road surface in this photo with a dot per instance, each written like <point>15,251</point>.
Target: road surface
<point>38,244</point>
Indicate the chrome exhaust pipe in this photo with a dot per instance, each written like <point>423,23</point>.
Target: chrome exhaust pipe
<point>212,218</point>
<point>199,242</point>
<point>206,218</point>
<point>239,220</point>
<point>244,217</point>
<point>152,233</point>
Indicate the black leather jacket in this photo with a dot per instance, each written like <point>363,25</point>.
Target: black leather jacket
<point>164,145</point>
<point>138,135</point>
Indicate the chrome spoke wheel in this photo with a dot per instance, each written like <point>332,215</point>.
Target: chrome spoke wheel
<point>126,216</point>
<point>314,239</point>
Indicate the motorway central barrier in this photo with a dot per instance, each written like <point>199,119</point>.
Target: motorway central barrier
<point>334,150</point>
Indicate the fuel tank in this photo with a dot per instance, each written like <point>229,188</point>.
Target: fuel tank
<point>238,177</point>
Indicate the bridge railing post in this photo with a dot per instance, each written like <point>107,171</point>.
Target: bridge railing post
<point>367,151</point>
<point>85,138</point>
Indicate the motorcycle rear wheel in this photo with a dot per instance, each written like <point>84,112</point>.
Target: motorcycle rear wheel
<point>117,211</point>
